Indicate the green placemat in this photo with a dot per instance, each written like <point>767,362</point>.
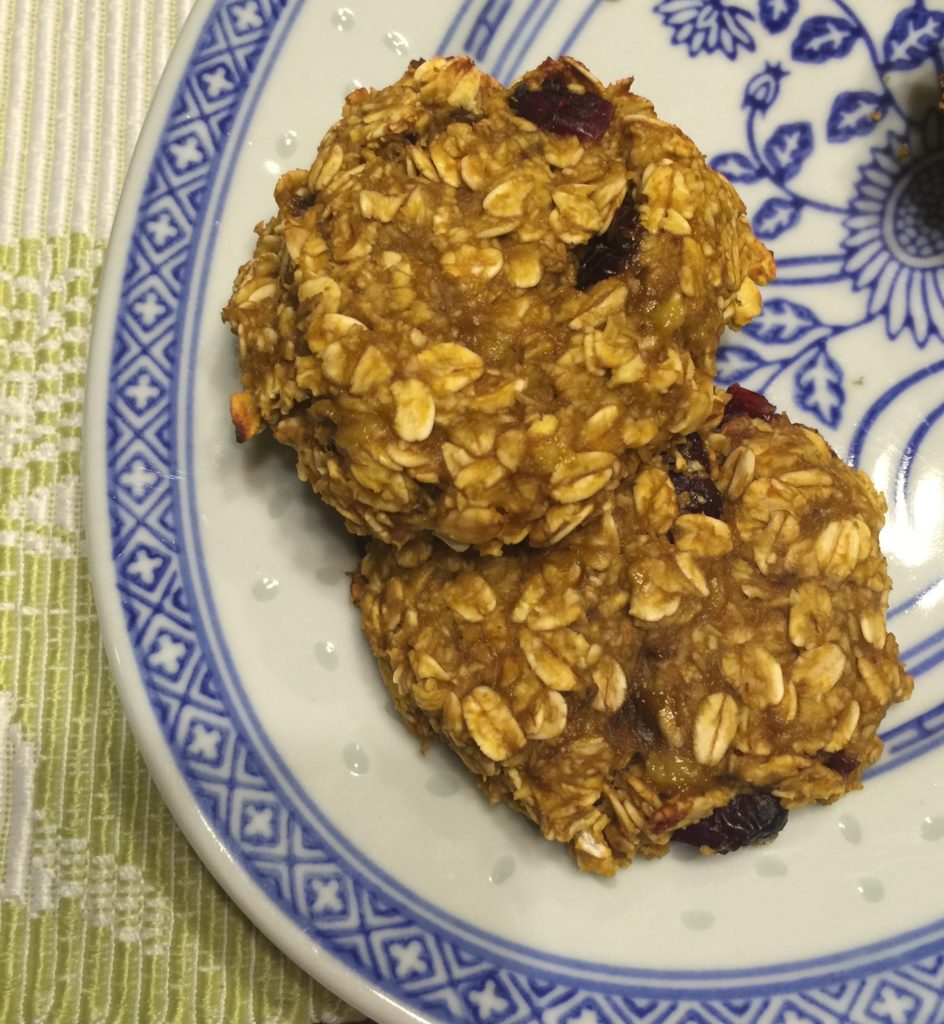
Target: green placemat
<point>106,914</point>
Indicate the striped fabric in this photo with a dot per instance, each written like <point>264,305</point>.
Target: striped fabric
<point>105,912</point>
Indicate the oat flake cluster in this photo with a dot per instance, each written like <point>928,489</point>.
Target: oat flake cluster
<point>438,323</point>
<point>639,609</point>
<point>657,663</point>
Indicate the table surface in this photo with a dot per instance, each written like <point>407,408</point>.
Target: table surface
<point>105,911</point>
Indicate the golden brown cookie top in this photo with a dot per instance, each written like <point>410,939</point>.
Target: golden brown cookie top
<point>480,304</point>
<point>718,630</point>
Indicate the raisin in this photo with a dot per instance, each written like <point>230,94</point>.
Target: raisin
<point>612,251</point>
<point>557,109</point>
<point>299,202</point>
<point>696,495</point>
<point>748,403</point>
<point>694,451</point>
<point>695,490</point>
<point>841,761</point>
<point>747,818</point>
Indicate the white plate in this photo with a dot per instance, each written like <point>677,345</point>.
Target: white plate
<point>220,579</point>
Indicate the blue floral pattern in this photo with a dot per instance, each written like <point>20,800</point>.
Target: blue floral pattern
<point>776,15</point>
<point>764,88</point>
<point>890,229</point>
<point>894,244</point>
<point>705,26</point>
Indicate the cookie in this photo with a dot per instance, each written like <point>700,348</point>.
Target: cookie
<point>706,654</point>
<point>481,307</point>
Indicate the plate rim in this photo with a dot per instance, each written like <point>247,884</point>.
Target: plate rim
<point>178,796</point>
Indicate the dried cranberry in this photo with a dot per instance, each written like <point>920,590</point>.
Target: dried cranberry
<point>557,109</point>
<point>747,818</point>
<point>696,494</point>
<point>841,761</point>
<point>748,403</point>
<point>612,251</point>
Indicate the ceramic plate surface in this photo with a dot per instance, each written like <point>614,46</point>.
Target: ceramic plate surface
<point>221,582</point>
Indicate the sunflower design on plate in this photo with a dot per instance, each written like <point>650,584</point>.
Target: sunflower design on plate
<point>894,245</point>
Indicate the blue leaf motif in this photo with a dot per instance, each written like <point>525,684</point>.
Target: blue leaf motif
<point>776,15</point>
<point>776,216</point>
<point>823,38</point>
<point>735,363</point>
<point>787,148</point>
<point>915,35</point>
<point>782,320</point>
<point>818,388</point>
<point>737,167</point>
<point>854,113</point>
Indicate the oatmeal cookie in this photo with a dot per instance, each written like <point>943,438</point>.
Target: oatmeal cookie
<point>706,654</point>
<point>479,305</point>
